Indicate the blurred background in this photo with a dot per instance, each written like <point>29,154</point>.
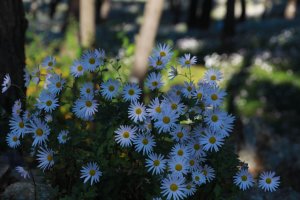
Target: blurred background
<point>255,43</point>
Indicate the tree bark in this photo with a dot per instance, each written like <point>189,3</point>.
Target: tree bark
<point>290,9</point>
<point>193,18</point>
<point>12,53</point>
<point>243,11</point>
<point>87,22</point>
<point>146,37</point>
<point>229,21</point>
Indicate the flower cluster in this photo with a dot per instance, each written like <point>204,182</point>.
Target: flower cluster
<point>176,131</point>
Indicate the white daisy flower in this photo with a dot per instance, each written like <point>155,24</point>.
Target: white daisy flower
<point>110,89</point>
<point>158,62</point>
<point>17,107</point>
<point>178,166</point>
<point>63,137</point>
<point>90,61</point>
<point>180,150</point>
<point>40,131</point>
<point>187,60</point>
<point>154,109</point>
<point>17,125</point>
<point>156,163</point>
<point>214,118</point>
<point>125,135</point>
<point>26,77</point>
<point>173,73</point>
<point>6,83</point>
<point>85,107</point>
<point>179,133</point>
<point>188,89</point>
<point>166,120</point>
<point>137,112</point>
<point>173,187</point>
<point>174,103</point>
<point>91,172</point>
<point>243,179</point>
<point>47,101</point>
<point>227,125</point>
<point>100,54</point>
<point>154,81</point>
<point>87,89</point>
<point>45,158</point>
<point>193,164</point>
<point>131,92</point>
<point>212,76</point>
<point>163,51</point>
<point>190,189</point>
<point>214,97</point>
<point>55,83</point>
<point>77,69</point>
<point>48,118</point>
<point>196,148</point>
<point>208,172</point>
<point>176,90</point>
<point>268,181</point>
<point>198,178</point>
<point>211,141</point>
<point>24,173</point>
<point>146,125</point>
<point>36,75</point>
<point>49,62</point>
<point>144,142</point>
<point>13,140</point>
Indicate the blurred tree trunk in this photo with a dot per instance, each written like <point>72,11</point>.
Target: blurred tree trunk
<point>192,18</point>
<point>146,37</point>
<point>229,21</point>
<point>243,11</point>
<point>205,19</point>
<point>104,9</point>
<point>87,21</point>
<point>12,53</point>
<point>290,9</point>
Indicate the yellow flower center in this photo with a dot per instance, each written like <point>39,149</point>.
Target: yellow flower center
<point>92,172</point>
<point>199,95</point>
<point>214,118</point>
<point>138,111</point>
<point>244,178</point>
<point>64,137</point>
<point>79,68</point>
<point>189,88</point>
<point>145,141</point>
<point>188,187</point>
<point>197,178</point>
<point>162,54</point>
<point>187,62</point>
<point>49,158</point>
<point>49,103</point>
<point>214,97</point>
<point>154,83</point>
<point>88,90</point>
<point>196,146</point>
<point>131,92</point>
<point>158,62</point>
<point>111,88</point>
<point>180,135</point>
<point>39,132</point>
<point>173,187</point>
<point>92,61</point>
<point>204,172</point>
<point>213,77</point>
<point>192,162</point>
<point>88,103</point>
<point>180,152</point>
<point>178,93</point>
<point>166,119</point>
<point>21,124</point>
<point>174,106</point>
<point>158,109</point>
<point>50,63</point>
<point>212,140</point>
<point>156,162</point>
<point>58,84</point>
<point>178,167</point>
<point>268,180</point>
<point>126,134</point>
<point>15,138</point>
